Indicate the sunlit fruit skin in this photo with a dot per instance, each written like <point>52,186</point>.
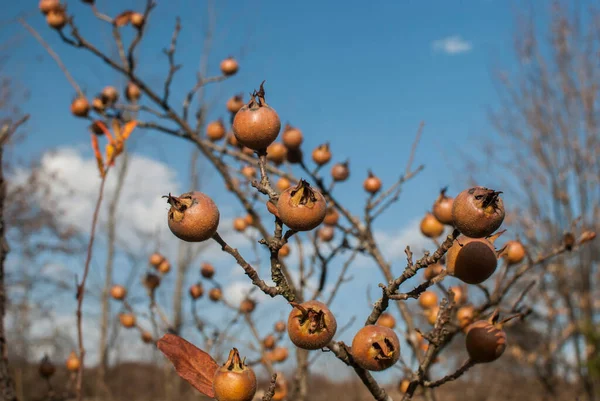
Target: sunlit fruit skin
<point>247,306</point>
<point>49,5</point>
<point>432,314</point>
<point>239,224</point>
<point>156,259</point>
<point>465,315</point>
<point>485,342</point>
<point>73,362</point>
<point>321,154</point>
<point>331,216</point>
<point>196,291</point>
<point>386,320</point>
<point>256,125</point>
<point>132,92</point>
<point>326,233</point>
<point>235,103</point>
<point>269,342</point>
<point>147,337</point>
<point>118,292</point>
<point>276,152</point>
<point>340,172</point>
<point>229,66</point>
<point>283,184</point>
<point>234,381</point>
<point>375,348</point>
<point>431,227</point>
<point>109,95</point>
<point>137,20</point>
<point>477,212</point>
<point>311,325</point>
<point>80,107</point>
<point>442,208</point>
<point>428,299</point>
<point>193,216</point>
<point>215,294</point>
<point>127,320</point>
<point>514,252</point>
<point>280,326</point>
<point>279,354</point>
<point>372,184</point>
<point>403,386</point>
<point>301,208</point>
<point>432,270</point>
<point>471,260</point>
<point>292,137</point>
<point>284,251</point>
<point>215,130</point>
<point>99,106</point>
<point>164,267</point>
<point>56,19</point>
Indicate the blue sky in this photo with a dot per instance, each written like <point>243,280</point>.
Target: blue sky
<point>361,76</point>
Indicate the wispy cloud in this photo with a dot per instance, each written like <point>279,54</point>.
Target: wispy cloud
<point>452,45</point>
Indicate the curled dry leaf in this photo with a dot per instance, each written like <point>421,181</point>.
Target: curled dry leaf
<point>191,363</point>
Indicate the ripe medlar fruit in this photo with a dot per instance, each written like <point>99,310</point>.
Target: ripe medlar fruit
<point>57,18</point>
<point>132,92</point>
<point>109,95</point>
<point>234,381</point>
<point>292,137</point>
<point>49,5</point>
<point>247,306</point>
<point>372,183</point>
<point>207,270</point>
<point>196,291</point>
<point>486,341</point>
<point>276,152</point>
<point>193,216</point>
<point>375,348</point>
<point>326,233</point>
<point>442,208</point>
<point>118,292</point>
<point>147,337</point>
<point>229,66</point>
<point>340,171</point>
<point>280,326</point>
<point>386,320</point>
<point>301,208</point>
<point>137,20</point>
<point>331,216</point>
<point>284,251</point>
<point>235,103</point>
<point>269,342</point>
<point>311,325</point>
<point>321,155</point>
<point>471,260</point>
<point>127,320</point>
<point>215,294</point>
<point>239,224</point>
<point>283,184</point>
<point>156,259</point>
<point>431,227</point>
<point>428,299</point>
<point>73,362</point>
<point>215,130</point>
<point>80,107</point>
<point>465,315</point>
<point>432,270</point>
<point>477,212</point>
<point>164,267</point>
<point>257,124</point>
<point>514,252</point>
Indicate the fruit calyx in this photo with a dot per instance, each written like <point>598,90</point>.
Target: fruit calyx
<point>385,349</point>
<point>178,205</point>
<point>257,98</point>
<point>488,199</point>
<point>314,318</point>
<point>234,363</point>
<point>303,195</point>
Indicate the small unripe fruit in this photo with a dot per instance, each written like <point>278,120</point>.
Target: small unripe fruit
<point>321,155</point>
<point>164,267</point>
<point>375,348</point>
<point>485,341</point>
<point>193,216</point>
<point>283,184</point>
<point>196,291</point>
<point>331,216</point>
<point>301,208</point>
<point>132,92</point>
<point>292,137</point>
<point>56,19</point>
<point>386,320</point>
<point>235,103</point>
<point>276,152</point>
<point>477,212</point>
<point>239,224</point>
<point>284,251</point>
<point>229,66</point>
<point>80,107</point>
<point>127,320</point>
<point>147,337</point>
<point>428,300</point>
<point>326,233</point>
<point>46,368</point>
<point>215,130</point>
<point>311,325</point>
<point>156,259</point>
<point>234,381</point>
<point>215,294</point>
<point>118,292</point>
<point>432,270</point>
<point>137,20</point>
<point>247,306</point>
<point>269,342</point>
<point>207,270</point>
<point>73,362</point>
<point>442,208</point>
<point>372,184</point>
<point>340,171</point>
<point>514,252</point>
<point>280,326</point>
<point>431,227</point>
<point>49,5</point>
<point>257,124</point>
<point>471,260</point>
<point>110,95</point>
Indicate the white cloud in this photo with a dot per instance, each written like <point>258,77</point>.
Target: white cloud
<point>454,44</point>
<point>76,183</point>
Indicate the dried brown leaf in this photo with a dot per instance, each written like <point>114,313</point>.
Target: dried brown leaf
<point>191,363</point>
